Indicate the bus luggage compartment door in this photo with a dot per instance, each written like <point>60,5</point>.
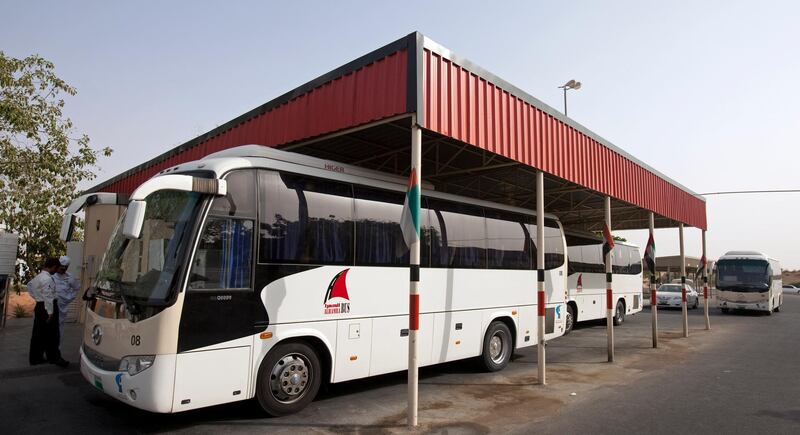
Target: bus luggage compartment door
<point>212,377</point>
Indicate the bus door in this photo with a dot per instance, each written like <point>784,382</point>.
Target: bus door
<point>221,311</point>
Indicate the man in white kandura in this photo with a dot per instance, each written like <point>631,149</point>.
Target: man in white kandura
<point>44,337</point>
<point>67,287</point>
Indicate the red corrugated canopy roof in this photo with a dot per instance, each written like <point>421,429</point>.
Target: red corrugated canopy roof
<point>455,98</point>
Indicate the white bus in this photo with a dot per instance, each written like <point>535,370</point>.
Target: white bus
<point>748,280</point>
<point>587,279</point>
<point>261,273</point>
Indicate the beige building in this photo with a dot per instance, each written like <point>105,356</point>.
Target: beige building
<point>100,220</point>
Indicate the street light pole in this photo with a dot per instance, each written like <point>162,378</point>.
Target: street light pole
<point>572,84</point>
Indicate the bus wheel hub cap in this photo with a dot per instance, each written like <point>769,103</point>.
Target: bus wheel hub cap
<point>495,348</point>
<point>289,378</point>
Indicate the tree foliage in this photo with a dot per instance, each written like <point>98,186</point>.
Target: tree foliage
<point>42,159</point>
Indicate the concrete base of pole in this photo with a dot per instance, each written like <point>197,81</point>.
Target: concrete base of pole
<point>413,382</point>
<point>685,309</point>
<point>654,312</point>
<point>610,329</point>
<point>540,352</point>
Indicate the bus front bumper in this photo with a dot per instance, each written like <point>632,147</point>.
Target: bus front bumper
<point>754,306</point>
<point>150,389</point>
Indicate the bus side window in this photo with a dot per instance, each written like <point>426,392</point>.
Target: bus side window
<point>435,241</point>
<point>636,262</point>
<point>224,255</point>
<point>379,238</point>
<point>225,250</point>
<point>304,220</point>
<point>619,259</point>
<point>553,244</point>
<point>241,198</point>
<point>598,261</point>
<point>506,241</point>
<point>427,232</point>
<point>465,234</point>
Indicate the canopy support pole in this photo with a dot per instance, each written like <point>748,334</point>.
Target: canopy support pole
<point>705,284</point>
<point>684,305</point>
<point>540,327</point>
<point>610,305</point>
<point>653,296</point>
<point>413,305</point>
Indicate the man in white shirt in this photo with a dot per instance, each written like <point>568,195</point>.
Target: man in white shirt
<point>66,289</point>
<point>44,339</point>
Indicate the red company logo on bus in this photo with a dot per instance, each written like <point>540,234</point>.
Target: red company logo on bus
<point>580,283</point>
<point>337,289</point>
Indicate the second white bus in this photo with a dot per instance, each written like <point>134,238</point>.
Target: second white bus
<point>749,280</point>
<point>587,279</point>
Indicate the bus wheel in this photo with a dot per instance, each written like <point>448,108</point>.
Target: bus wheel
<point>619,315</point>
<point>497,347</point>
<point>570,321</point>
<point>289,379</point>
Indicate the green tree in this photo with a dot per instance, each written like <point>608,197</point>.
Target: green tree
<point>42,159</point>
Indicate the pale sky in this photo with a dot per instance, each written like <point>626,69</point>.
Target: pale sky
<point>702,91</point>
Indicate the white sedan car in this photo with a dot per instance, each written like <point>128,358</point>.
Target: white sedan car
<point>669,295</point>
<point>788,288</point>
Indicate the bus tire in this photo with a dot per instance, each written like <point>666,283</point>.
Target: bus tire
<point>498,345</point>
<point>619,314</point>
<point>288,379</point>
<point>570,321</point>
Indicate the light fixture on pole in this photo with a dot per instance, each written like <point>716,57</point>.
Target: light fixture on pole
<point>572,84</point>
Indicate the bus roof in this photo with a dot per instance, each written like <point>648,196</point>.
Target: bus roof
<point>256,156</point>
<point>753,255</point>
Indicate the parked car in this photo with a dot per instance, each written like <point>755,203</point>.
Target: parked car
<point>788,288</point>
<point>669,295</point>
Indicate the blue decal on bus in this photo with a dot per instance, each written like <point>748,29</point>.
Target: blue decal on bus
<point>118,380</point>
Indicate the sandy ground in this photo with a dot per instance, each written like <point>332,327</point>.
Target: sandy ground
<point>791,277</point>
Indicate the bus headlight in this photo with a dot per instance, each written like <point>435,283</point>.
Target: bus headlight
<point>135,364</point>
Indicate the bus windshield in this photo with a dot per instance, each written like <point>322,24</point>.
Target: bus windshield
<point>743,275</point>
<point>143,272</point>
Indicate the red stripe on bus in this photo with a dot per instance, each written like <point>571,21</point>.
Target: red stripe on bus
<point>413,310</point>
<point>540,299</point>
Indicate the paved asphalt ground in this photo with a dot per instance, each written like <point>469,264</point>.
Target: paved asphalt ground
<point>742,377</point>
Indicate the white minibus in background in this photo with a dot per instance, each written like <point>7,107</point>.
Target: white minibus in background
<point>748,280</point>
<point>261,273</point>
<point>587,279</point>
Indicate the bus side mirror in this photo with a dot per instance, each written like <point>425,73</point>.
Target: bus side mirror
<point>67,225</point>
<point>134,219</point>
